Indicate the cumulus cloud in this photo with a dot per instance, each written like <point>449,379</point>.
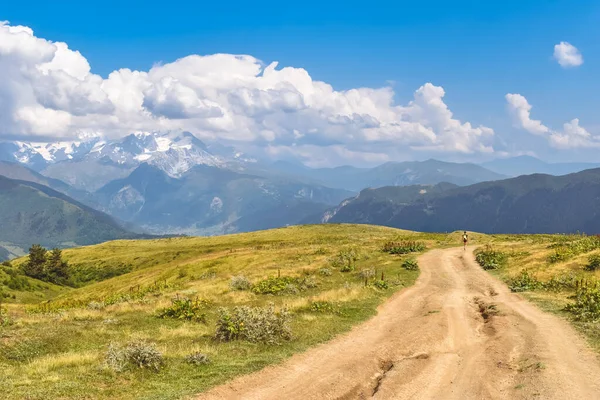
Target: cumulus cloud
<point>572,135</point>
<point>567,55</point>
<point>520,109</point>
<point>49,90</point>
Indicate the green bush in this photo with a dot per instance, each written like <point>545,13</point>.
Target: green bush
<point>593,262</point>
<point>5,319</point>
<point>403,247</point>
<point>325,272</point>
<point>586,305</point>
<point>136,354</point>
<point>321,307</point>
<point>185,309</point>
<point>380,284</point>
<point>410,265</point>
<point>345,260</point>
<point>254,324</point>
<point>524,282</point>
<point>240,282</point>
<point>197,359</point>
<point>273,285</point>
<point>569,246</point>
<point>490,258</point>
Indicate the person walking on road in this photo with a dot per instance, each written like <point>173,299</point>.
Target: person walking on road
<point>465,240</point>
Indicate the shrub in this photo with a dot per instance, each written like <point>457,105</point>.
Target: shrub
<point>136,354</point>
<point>380,284</point>
<point>197,359</point>
<point>284,285</point>
<point>345,260</point>
<point>586,306</point>
<point>321,307</point>
<point>240,282</point>
<point>403,247</point>
<point>273,285</point>
<point>410,265</point>
<point>254,324</point>
<point>366,273</point>
<point>593,262</point>
<point>325,272</point>
<point>308,282</point>
<point>524,282</point>
<point>560,254</point>
<point>185,309</point>
<point>5,319</point>
<point>95,305</point>
<point>490,258</point>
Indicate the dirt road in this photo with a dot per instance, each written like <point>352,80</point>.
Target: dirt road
<point>458,333</point>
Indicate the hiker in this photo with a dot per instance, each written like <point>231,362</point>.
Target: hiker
<point>465,239</point>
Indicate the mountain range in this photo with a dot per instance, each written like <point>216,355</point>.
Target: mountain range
<point>535,203</point>
<point>172,182</point>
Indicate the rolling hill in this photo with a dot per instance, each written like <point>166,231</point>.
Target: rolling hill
<point>526,204</point>
<point>33,213</point>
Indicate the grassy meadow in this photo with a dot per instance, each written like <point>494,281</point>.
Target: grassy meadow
<point>54,340</point>
<point>559,273</point>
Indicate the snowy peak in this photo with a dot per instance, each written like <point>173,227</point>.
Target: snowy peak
<point>173,152</point>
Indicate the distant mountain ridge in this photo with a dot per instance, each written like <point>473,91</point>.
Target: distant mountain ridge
<point>394,174</point>
<point>527,204</point>
<point>32,213</point>
<point>527,165</point>
<point>211,200</point>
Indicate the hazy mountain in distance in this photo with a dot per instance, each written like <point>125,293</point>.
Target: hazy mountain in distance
<point>525,165</point>
<point>527,204</point>
<point>212,200</point>
<point>394,174</point>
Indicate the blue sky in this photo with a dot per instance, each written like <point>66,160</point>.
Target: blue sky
<point>478,51</point>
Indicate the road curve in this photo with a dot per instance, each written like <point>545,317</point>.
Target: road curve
<point>458,333</point>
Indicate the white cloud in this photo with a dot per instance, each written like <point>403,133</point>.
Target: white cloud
<point>520,109</point>
<point>567,55</point>
<point>48,90</point>
<point>572,135</point>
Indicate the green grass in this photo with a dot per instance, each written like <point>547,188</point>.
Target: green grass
<point>56,345</point>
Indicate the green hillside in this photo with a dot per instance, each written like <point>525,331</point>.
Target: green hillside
<point>57,348</point>
<point>33,213</point>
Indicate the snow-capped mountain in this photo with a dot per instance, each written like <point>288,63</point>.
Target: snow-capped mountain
<point>89,163</point>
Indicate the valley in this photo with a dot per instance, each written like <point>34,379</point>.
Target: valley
<point>442,324</point>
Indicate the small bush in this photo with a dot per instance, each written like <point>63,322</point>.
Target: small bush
<point>5,319</point>
<point>136,354</point>
<point>586,306</point>
<point>380,284</point>
<point>593,262</point>
<point>403,247</point>
<point>185,309</point>
<point>366,273</point>
<point>325,272</point>
<point>240,282</point>
<point>309,282</point>
<point>321,307</point>
<point>345,260</point>
<point>524,282</point>
<point>410,265</point>
<point>254,324</point>
<point>560,254</point>
<point>273,285</point>
<point>197,359</point>
<point>95,305</point>
<point>490,258</point>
